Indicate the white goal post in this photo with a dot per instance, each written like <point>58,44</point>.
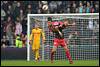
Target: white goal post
<point>73,16</point>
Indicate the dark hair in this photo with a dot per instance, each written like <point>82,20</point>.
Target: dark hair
<point>49,19</point>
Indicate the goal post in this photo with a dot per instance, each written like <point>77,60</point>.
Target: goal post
<point>28,35</point>
<point>79,19</point>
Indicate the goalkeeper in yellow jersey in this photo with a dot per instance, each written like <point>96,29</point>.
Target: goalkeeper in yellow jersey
<point>35,40</point>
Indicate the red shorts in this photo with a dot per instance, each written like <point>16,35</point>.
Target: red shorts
<point>60,42</point>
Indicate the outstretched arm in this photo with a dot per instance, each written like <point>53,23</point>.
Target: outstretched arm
<point>71,24</point>
<point>66,23</point>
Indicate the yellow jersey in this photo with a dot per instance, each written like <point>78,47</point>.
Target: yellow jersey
<point>35,37</point>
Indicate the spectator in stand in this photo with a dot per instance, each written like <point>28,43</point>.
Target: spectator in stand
<point>23,21</point>
<point>73,8</point>
<point>88,7</point>
<point>92,3</point>
<point>68,10</point>
<point>21,16</point>
<point>35,6</point>
<point>80,7</point>
<point>96,8</point>
<point>59,6</point>
<point>10,10</point>
<point>92,10</point>
<point>16,12</point>
<point>29,10</point>
<point>53,7</point>
<point>9,30</point>
<point>84,4</point>
<point>24,26</point>
<point>4,41</point>
<point>18,29</point>
<point>24,38</point>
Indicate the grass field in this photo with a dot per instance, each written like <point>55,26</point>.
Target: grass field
<point>48,63</point>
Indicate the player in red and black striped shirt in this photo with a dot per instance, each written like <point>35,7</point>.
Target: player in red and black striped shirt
<point>57,27</point>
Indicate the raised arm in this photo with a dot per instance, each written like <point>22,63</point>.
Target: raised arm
<point>67,23</point>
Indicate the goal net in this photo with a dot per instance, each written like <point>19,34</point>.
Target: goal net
<point>84,46</point>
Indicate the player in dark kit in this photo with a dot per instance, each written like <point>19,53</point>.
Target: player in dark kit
<point>57,27</point>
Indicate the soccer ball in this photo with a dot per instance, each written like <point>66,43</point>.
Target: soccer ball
<point>45,7</point>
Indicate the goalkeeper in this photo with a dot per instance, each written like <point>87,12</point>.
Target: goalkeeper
<point>35,40</point>
<point>57,27</point>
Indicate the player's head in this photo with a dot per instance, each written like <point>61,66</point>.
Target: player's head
<point>37,25</point>
<point>49,19</point>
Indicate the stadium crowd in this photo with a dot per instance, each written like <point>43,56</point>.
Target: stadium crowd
<point>14,15</point>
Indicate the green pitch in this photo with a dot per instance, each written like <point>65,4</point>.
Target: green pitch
<point>48,63</point>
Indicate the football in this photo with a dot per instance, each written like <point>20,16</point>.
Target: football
<point>45,7</point>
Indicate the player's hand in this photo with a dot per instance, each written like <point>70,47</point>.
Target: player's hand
<point>43,41</point>
<point>66,23</point>
<point>30,42</point>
